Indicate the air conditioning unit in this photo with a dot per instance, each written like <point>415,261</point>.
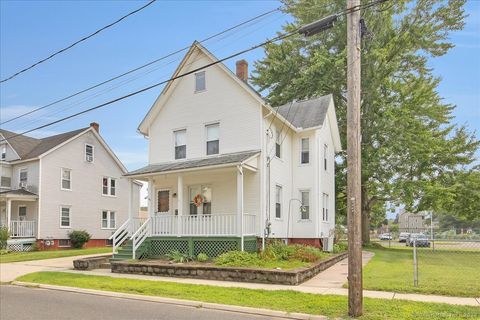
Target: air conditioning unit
<point>23,184</point>
<point>89,158</point>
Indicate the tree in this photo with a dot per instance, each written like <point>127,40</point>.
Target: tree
<point>408,140</point>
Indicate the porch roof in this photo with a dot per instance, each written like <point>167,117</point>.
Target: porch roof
<point>229,159</point>
<point>18,193</point>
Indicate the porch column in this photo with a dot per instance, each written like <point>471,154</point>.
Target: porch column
<point>151,198</point>
<point>130,196</point>
<point>179,203</point>
<point>9,213</point>
<point>240,204</point>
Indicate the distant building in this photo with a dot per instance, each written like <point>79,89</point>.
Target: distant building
<point>411,222</point>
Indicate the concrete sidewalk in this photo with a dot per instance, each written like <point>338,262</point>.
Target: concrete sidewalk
<point>11,270</point>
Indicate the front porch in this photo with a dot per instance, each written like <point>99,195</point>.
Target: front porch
<point>213,203</point>
<point>19,213</point>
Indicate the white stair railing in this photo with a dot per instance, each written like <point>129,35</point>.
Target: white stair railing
<point>122,233</point>
<point>140,235</point>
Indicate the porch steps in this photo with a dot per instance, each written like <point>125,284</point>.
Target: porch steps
<point>125,252</point>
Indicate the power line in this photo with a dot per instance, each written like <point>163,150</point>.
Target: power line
<point>280,37</point>
<point>78,41</point>
<point>141,67</point>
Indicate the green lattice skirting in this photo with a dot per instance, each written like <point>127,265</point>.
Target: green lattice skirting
<point>157,247</point>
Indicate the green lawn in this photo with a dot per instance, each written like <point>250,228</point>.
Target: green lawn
<point>285,300</point>
<point>443,272</point>
<point>40,255</point>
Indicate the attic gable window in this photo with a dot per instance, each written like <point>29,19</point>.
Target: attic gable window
<point>200,84</point>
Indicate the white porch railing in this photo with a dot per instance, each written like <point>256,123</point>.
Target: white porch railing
<point>22,229</point>
<point>125,231</point>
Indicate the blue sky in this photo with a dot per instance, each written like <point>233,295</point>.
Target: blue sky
<point>30,30</point>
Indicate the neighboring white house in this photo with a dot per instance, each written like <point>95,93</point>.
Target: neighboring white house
<point>411,222</point>
<point>226,170</point>
<point>70,181</point>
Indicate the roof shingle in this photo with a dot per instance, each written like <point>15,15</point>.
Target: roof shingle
<point>306,113</point>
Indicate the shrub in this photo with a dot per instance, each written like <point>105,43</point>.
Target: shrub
<point>202,257</point>
<point>3,237</point>
<point>277,250</point>
<point>237,259</point>
<point>3,251</point>
<point>307,253</point>
<point>340,247</point>
<point>178,257</point>
<point>78,238</point>
<point>35,247</point>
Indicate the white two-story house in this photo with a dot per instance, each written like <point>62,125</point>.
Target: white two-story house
<point>228,171</point>
<point>70,181</point>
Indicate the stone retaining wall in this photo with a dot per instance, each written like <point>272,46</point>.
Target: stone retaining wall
<point>273,276</point>
<point>90,263</point>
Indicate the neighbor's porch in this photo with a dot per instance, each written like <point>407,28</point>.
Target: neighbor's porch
<point>19,212</point>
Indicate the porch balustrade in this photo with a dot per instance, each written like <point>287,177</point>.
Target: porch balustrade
<point>22,229</point>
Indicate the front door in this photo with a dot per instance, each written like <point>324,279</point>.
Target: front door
<point>163,201</point>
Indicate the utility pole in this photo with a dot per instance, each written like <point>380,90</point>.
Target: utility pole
<point>354,212</point>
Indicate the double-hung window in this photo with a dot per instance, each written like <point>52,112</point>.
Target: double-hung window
<point>213,138</point>
<point>278,202</point>
<point>23,177</point>
<point>325,156</point>
<point>65,219</point>
<point>305,151</point>
<point>180,144</point>
<point>278,144</point>
<point>66,179</point>
<point>4,152</point>
<point>200,199</point>
<point>305,197</point>
<point>108,219</point>
<point>200,83</point>
<point>325,207</point>
<point>109,186</point>
<point>89,153</point>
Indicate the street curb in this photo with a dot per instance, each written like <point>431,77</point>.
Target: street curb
<point>179,302</point>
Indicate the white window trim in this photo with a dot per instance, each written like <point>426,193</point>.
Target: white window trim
<point>109,186</point>
<point>19,174</point>
<point>109,227</point>
<point>300,152</point>
<point>170,199</point>
<point>201,185</point>
<point>325,205</point>
<point>3,152</point>
<point>278,135</point>
<point>205,138</point>
<point>69,217</point>
<point>61,179</point>
<point>325,158</point>
<point>18,211</point>
<point>186,143</point>
<point>275,203</point>
<point>85,153</point>
<point>195,82</point>
<point>309,205</point>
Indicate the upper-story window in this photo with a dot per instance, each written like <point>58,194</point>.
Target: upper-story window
<point>180,144</point>
<point>213,138</point>
<point>305,151</point>
<point>325,156</point>
<point>66,179</point>
<point>5,182</point>
<point>200,83</point>
<point>89,153</point>
<point>23,177</point>
<point>278,145</point>
<point>305,197</point>
<point>109,186</point>
<point>278,202</point>
<point>4,152</point>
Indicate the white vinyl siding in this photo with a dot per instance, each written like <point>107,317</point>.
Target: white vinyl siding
<point>305,151</point>
<point>66,179</point>
<point>65,218</point>
<point>213,138</point>
<point>200,81</point>
<point>108,219</point>
<point>89,153</point>
<point>109,186</point>
<point>180,144</point>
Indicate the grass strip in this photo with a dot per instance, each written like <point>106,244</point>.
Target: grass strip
<point>51,254</point>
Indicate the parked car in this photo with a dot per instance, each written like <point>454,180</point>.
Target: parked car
<point>385,236</point>
<point>420,239</point>
<point>403,236</point>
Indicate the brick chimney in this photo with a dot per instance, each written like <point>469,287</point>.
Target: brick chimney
<point>95,126</point>
<point>242,69</point>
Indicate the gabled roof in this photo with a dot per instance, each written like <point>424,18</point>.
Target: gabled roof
<point>211,161</point>
<point>28,148</point>
<point>307,113</point>
<point>18,192</point>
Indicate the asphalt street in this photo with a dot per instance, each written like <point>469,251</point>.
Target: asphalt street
<point>20,303</point>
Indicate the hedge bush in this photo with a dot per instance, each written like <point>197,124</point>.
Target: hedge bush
<point>78,238</point>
